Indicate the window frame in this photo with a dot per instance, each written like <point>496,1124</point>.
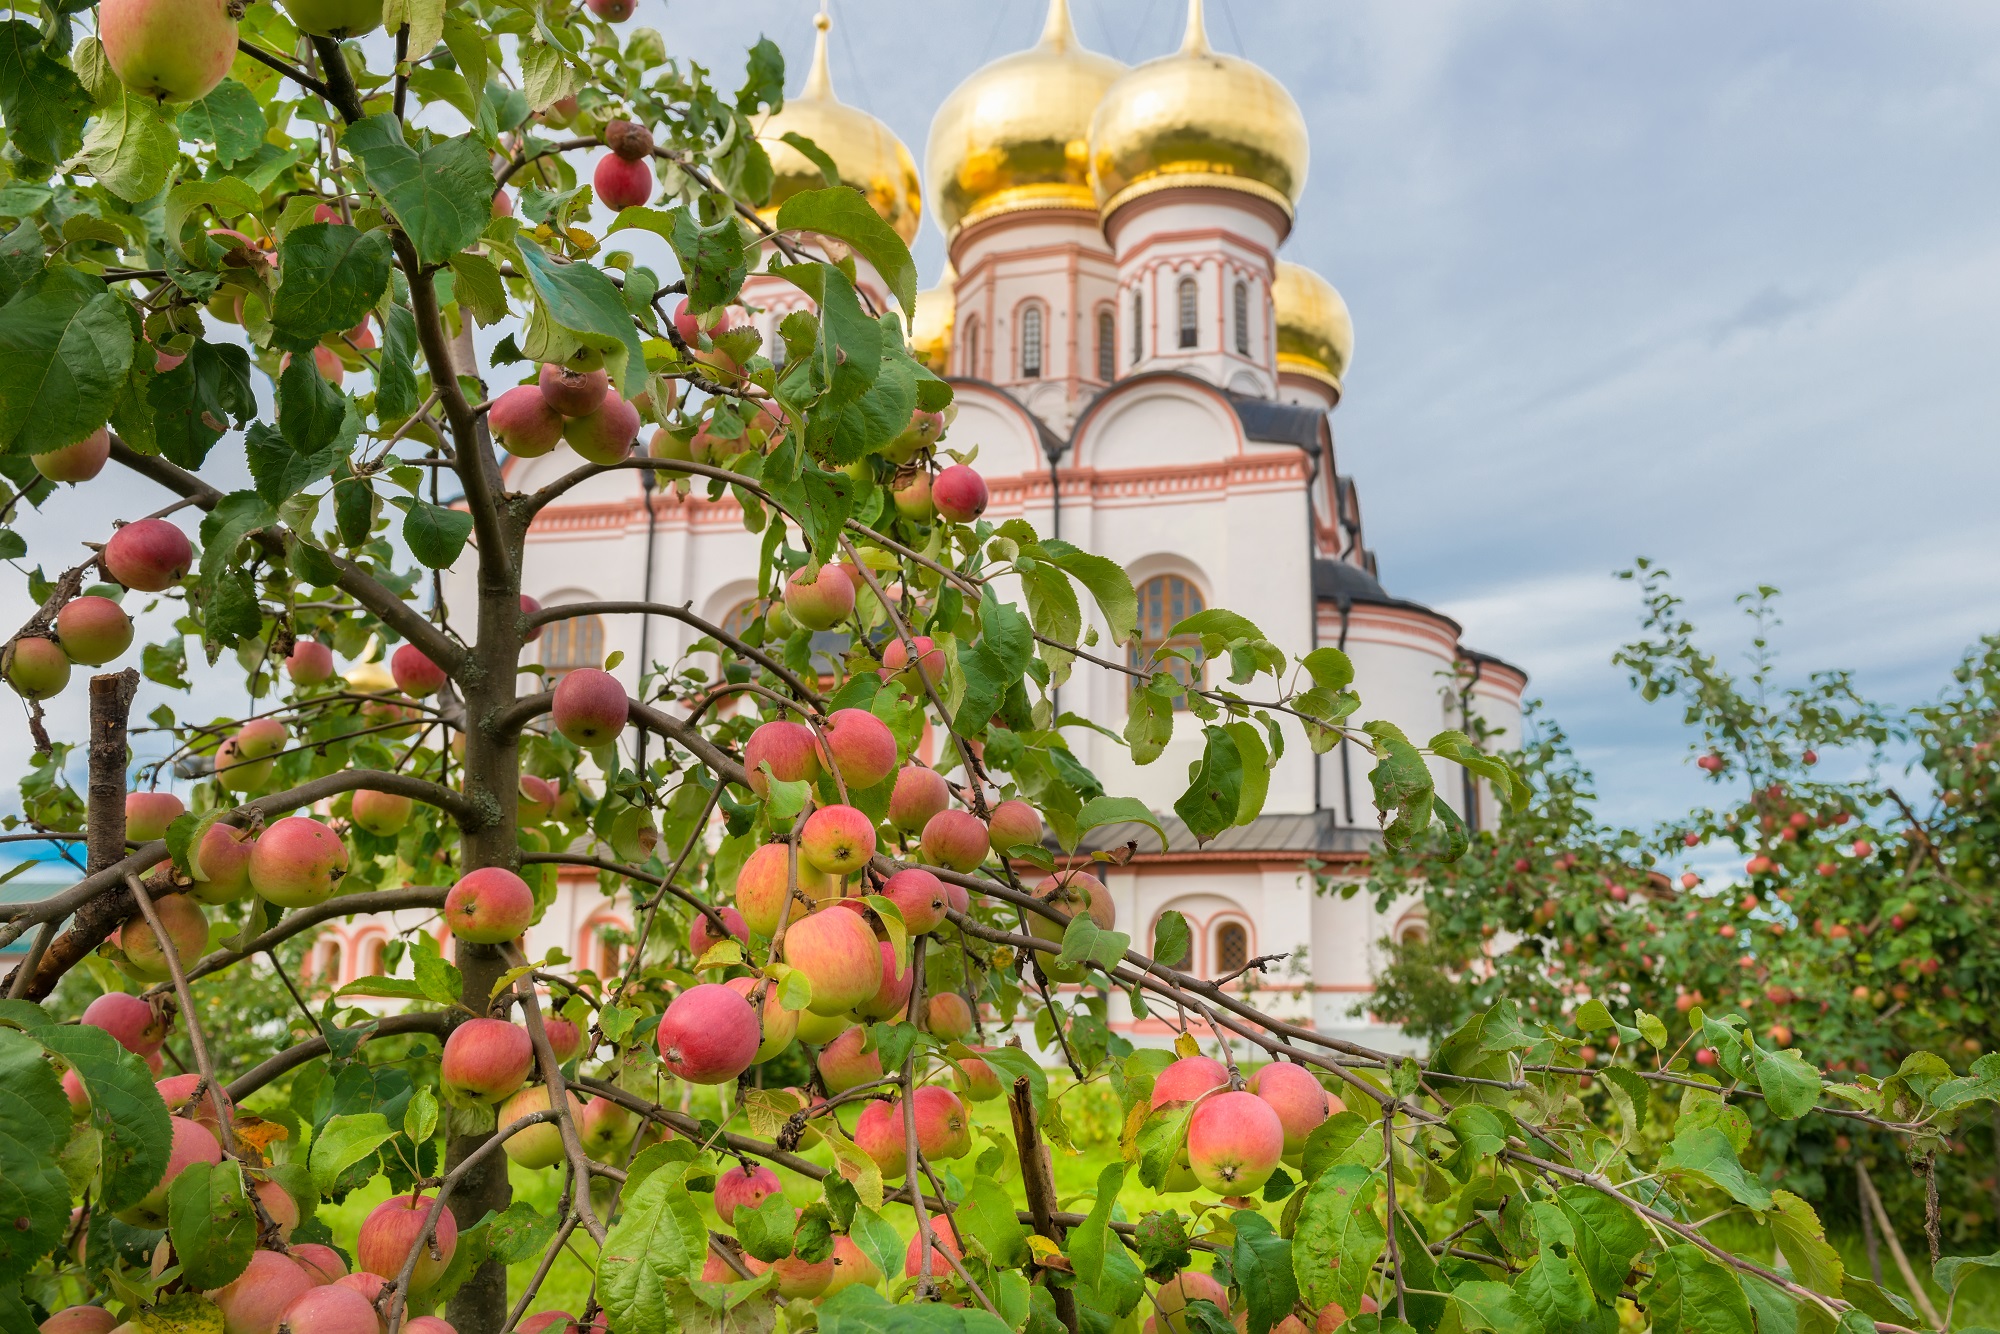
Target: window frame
<point>1187,304</point>
<point>1145,653</point>
<point>972,347</point>
<point>1107,344</point>
<point>1219,929</point>
<point>1031,342</point>
<point>1138,328</point>
<point>1241,301</point>
<point>570,634</point>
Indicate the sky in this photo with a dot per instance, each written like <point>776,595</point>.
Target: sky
<point>1710,283</point>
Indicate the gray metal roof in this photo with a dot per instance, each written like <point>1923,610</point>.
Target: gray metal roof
<point>1280,423</point>
<point>1317,833</point>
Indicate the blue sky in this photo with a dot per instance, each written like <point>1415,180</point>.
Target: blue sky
<point>1710,283</point>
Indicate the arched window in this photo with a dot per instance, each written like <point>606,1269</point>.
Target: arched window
<point>1138,327</point>
<point>741,617</point>
<point>1107,345</point>
<point>1189,307</point>
<point>972,348</point>
<point>1242,299</point>
<point>323,961</point>
<point>568,645</point>
<point>1232,948</point>
<point>1165,601</point>
<point>603,946</point>
<point>1031,342</point>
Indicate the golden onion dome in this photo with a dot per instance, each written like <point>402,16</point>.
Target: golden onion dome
<point>930,330</point>
<point>1315,330</point>
<point>1198,117</point>
<point>1016,135</point>
<point>867,153</point>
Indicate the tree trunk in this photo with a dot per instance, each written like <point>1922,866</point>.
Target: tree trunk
<point>1041,1187</point>
<point>104,821</point>
<point>491,783</point>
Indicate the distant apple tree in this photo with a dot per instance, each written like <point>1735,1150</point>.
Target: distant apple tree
<point>863,844</point>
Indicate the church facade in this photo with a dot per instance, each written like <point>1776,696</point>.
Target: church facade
<point>1145,376</point>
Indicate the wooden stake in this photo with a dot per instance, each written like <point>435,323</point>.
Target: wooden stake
<point>1037,1177</point>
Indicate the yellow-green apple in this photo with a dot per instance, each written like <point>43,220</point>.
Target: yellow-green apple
<point>169,52</point>
<point>1013,823</point>
<point>538,1145</point>
<point>837,953</point>
<point>778,1025</point>
<point>296,862</point>
<point>955,840</point>
<point>37,668</point>
<point>838,840</point>
<point>147,815</point>
<point>843,1064</point>
<point>946,1015</point>
<point>224,855</point>
<point>819,599</point>
<point>1234,1142</point>
<point>382,813</point>
<point>93,630</point>
<point>187,930</point>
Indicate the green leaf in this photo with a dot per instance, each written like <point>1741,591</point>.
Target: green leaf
<point>1108,584</point>
<point>1402,783</point>
<point>1799,1234</point>
<point>65,349</point>
<point>1162,1136</point>
<point>579,298</point>
<point>230,118</point>
<point>133,1125</point>
<point>211,1221</point>
<point>848,354</point>
<point>330,277</point>
<point>846,215</point>
<point>229,197</point>
<point>767,1231</point>
<point>520,1233</point>
<point>1209,805</point>
<point>1338,1239</point>
<point>986,1215</point>
<point>1631,1095</point>
<point>1482,1133</point>
<point>436,534</point>
<point>1495,1306</point>
<point>281,472</point>
<point>862,1310</point>
<point>34,1126</point>
<point>1262,1261</point>
<point>1791,1086</point>
<point>1338,1139</point>
<point>235,517</point>
<point>131,147</point>
<point>442,197</point>
<point>1609,1237</point>
<point>438,976</point>
<point>659,1238</point>
<point>1172,940</point>
<point>1257,762</point>
<point>1949,1272</point>
<point>1329,668</point>
<point>1553,1290</point>
<point>386,988</point>
<point>1692,1294</point>
<point>1772,1310</point>
<point>344,1141</point>
<point>193,403</point>
<point>714,260</point>
<point>1099,811</point>
<point>1101,1262</point>
<point>395,381</point>
<point>1706,1153</point>
<point>477,287</point>
<point>42,101</point>
<point>310,410</point>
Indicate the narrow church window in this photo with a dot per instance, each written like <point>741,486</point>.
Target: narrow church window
<point>568,645</point>
<point>1031,342</point>
<point>1189,302</point>
<point>1164,602</point>
<point>972,348</point>
<point>1107,349</point>
<point>1242,320</point>
<point>1138,327</point>
<point>1232,948</point>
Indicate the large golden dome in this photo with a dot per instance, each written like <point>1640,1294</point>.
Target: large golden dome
<point>1315,330</point>
<point>931,328</point>
<point>869,155</point>
<point>1016,134</point>
<point>1198,117</point>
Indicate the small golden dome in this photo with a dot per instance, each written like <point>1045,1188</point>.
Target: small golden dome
<point>1198,117</point>
<point>867,153</point>
<point>1315,330</point>
<point>1016,134</point>
<point>930,330</point>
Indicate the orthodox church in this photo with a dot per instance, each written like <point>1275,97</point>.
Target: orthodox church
<point>1143,376</point>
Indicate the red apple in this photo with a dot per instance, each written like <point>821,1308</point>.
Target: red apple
<point>1187,1079</point>
<point>838,840</point>
<point>702,935</point>
<point>709,1034</point>
<point>744,1187</point>
<point>296,862</point>
<point>1234,1143</point>
<point>416,675</point>
<point>128,1019</point>
<point>93,630</point>
<point>524,421</point>
<point>893,996</point>
<point>590,707</point>
<point>864,749</point>
<point>1184,1287</point>
<point>790,749</point>
<point>946,1015</point>
<point>382,813</point>
<point>573,393</point>
<point>930,658</point>
<point>917,1260</point>
<point>1013,823</point>
<point>959,494</point>
<point>819,600</point>
<point>255,1300</point>
<point>224,853</point>
<point>919,794</point>
<point>486,1059</point>
<point>310,663</point>
<point>839,956</point>
<point>760,888</point>
<point>844,1065</point>
<point>605,436</point>
<point>396,1227</point>
<point>78,462</point>
<point>955,840</point>
<point>621,184</point>
<point>147,815</point>
<point>920,896</point>
<point>489,906</point>
<point>1298,1098</point>
<point>191,1144</point>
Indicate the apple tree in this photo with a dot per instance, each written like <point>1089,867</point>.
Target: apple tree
<point>220,213</point>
